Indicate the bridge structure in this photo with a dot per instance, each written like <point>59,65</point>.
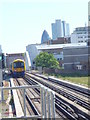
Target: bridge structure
<point>24,56</point>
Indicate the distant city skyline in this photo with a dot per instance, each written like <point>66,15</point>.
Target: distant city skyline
<point>23,21</point>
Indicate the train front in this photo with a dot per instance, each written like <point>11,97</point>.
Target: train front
<point>18,69</point>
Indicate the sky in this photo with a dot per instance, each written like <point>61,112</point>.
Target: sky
<point>22,22</point>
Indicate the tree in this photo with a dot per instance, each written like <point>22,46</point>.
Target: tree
<point>46,60</point>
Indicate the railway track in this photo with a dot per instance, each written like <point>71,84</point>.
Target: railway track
<point>30,107</point>
<point>72,92</point>
<point>68,109</point>
<point>65,114</point>
<point>83,91</point>
<point>33,97</point>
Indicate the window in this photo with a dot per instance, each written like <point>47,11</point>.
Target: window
<point>18,65</point>
<point>79,67</point>
<point>33,62</point>
<point>58,59</point>
<point>89,17</point>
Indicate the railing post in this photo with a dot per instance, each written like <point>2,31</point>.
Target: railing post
<point>42,102</point>
<point>1,84</point>
<point>24,102</point>
<point>2,96</point>
<point>49,105</point>
<point>53,104</point>
<point>45,99</point>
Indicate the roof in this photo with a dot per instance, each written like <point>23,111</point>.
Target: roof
<point>18,60</point>
<point>60,46</point>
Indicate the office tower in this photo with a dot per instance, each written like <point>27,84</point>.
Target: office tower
<point>64,28</point>
<point>54,35</point>
<point>60,29</point>
<point>57,29</point>
<point>45,37</point>
<point>67,33</point>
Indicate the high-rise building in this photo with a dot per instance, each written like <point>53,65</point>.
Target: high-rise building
<point>45,37</point>
<point>80,34</point>
<point>64,28</point>
<point>54,35</point>
<point>67,30</point>
<point>60,29</point>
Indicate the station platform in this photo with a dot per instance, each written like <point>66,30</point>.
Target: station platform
<point>18,108</point>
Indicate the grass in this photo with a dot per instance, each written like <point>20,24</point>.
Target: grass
<point>6,92</point>
<point>77,79</point>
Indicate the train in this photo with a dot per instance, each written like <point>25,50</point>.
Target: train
<point>18,68</point>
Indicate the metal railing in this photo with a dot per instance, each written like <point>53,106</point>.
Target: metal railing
<point>47,101</point>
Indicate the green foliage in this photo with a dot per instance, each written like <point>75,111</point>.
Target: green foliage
<point>46,60</point>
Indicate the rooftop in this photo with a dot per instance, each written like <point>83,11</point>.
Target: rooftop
<point>60,46</point>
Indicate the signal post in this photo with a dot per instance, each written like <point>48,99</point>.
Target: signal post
<point>1,77</point>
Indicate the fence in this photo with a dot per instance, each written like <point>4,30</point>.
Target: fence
<point>66,72</point>
<point>47,102</point>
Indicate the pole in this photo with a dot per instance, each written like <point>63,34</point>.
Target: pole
<point>1,84</point>
<point>24,102</point>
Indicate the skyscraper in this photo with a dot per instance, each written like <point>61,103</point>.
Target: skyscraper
<point>67,32</point>
<point>60,29</point>
<point>54,35</point>
<point>45,37</point>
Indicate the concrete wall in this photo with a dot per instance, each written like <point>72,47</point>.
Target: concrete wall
<point>74,57</point>
<point>66,72</point>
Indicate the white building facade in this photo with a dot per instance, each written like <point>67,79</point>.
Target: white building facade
<point>80,35</point>
<point>33,52</point>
